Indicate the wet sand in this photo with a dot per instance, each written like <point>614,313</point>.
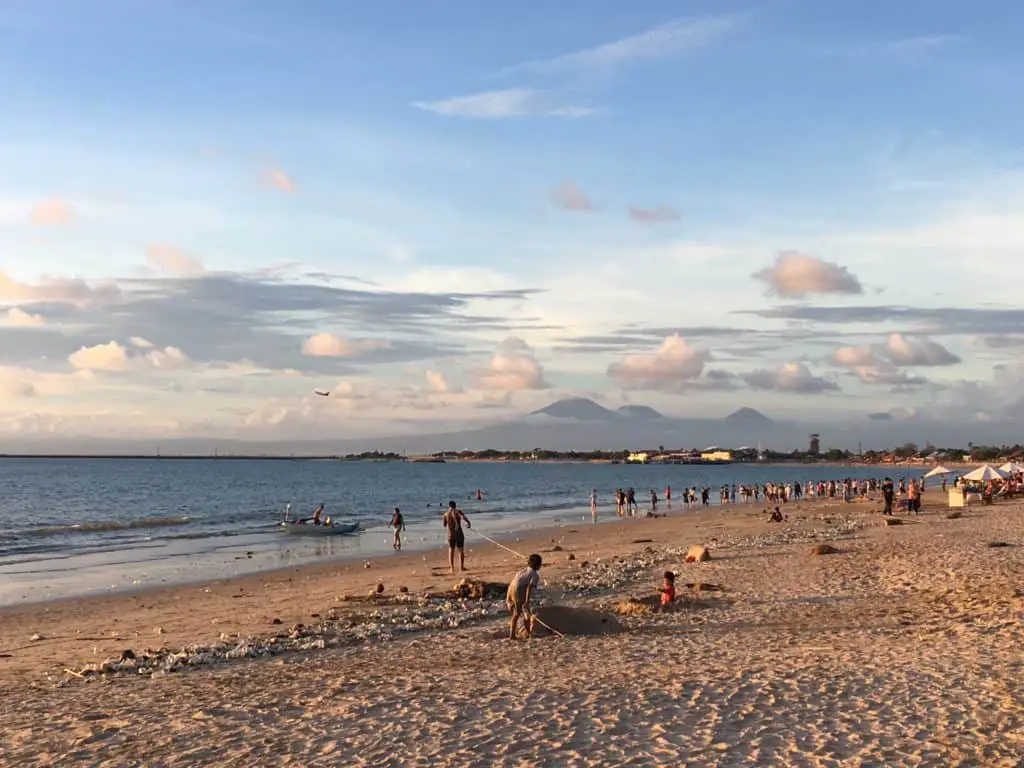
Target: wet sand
<point>903,648</point>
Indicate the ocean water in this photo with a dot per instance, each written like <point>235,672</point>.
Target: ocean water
<point>84,526</point>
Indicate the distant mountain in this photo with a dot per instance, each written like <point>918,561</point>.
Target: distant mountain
<point>639,412</point>
<point>578,409</point>
<point>749,417</point>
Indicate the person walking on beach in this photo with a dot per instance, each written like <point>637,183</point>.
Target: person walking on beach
<point>593,504</point>
<point>654,501</point>
<point>398,523</point>
<point>888,493</point>
<point>453,520</point>
<point>520,592</point>
<point>631,502</point>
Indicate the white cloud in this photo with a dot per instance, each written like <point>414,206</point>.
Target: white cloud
<point>168,358</point>
<point>21,319</point>
<point>795,378</point>
<point>570,197</point>
<point>513,368</point>
<point>330,345</point>
<point>50,213</point>
<point>675,363</point>
<point>173,261</point>
<point>101,357</point>
<point>57,291</point>
<point>796,275</point>
<point>140,343</point>
<point>662,42</point>
<point>510,102</point>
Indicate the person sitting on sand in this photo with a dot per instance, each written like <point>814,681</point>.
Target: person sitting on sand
<point>668,591</point>
<point>398,523</point>
<point>776,516</point>
<point>453,520</point>
<point>520,592</point>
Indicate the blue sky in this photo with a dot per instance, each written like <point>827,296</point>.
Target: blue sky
<point>453,212</point>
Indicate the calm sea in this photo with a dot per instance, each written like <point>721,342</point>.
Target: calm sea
<point>81,526</point>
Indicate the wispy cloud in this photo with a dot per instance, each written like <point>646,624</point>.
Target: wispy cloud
<point>50,213</point>
<point>510,102</point>
<point>278,179</point>
<point>571,198</point>
<point>662,42</point>
<point>923,45</point>
<point>657,215</point>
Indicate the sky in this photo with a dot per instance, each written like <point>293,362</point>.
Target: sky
<point>448,214</point>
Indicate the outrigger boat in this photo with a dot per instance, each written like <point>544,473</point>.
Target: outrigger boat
<point>319,529</point>
<point>315,528</point>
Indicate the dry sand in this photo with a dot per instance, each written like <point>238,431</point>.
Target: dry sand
<point>904,648</point>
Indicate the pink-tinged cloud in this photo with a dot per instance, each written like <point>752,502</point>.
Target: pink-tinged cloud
<point>852,357</point>
<point>173,261</point>
<point>330,345</point>
<point>794,378</point>
<point>439,385</point>
<point>101,357</point>
<point>570,197</point>
<point>513,368</point>
<point>51,213</point>
<point>673,364</point>
<point>660,214</point>
<point>913,352</point>
<point>278,179</point>
<point>19,318</point>
<point>795,275</point>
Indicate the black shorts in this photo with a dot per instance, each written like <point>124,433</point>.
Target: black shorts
<point>457,540</point>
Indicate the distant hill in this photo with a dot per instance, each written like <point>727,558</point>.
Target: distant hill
<point>749,417</point>
<point>578,409</point>
<point>639,412</point>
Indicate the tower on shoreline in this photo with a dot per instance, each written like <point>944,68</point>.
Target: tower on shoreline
<point>814,445</point>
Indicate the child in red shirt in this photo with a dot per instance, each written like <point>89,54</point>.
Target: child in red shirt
<point>668,590</point>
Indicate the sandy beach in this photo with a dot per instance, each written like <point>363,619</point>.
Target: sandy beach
<point>901,648</point>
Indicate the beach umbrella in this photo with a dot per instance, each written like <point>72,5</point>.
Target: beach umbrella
<point>984,473</point>
<point>939,470</point>
<point>1011,468</point>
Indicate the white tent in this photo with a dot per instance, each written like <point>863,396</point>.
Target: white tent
<point>1010,468</point>
<point>939,470</point>
<point>984,473</point>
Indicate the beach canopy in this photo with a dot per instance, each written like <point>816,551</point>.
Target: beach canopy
<point>939,470</point>
<point>1011,468</point>
<point>983,473</point>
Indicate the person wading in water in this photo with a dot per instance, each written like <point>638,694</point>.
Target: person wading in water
<point>453,520</point>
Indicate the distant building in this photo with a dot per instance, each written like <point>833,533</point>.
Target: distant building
<point>716,456</point>
<point>814,448</point>
<point>638,458</point>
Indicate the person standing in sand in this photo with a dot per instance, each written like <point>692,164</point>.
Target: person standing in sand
<point>453,520</point>
<point>398,523</point>
<point>520,591</point>
<point>593,504</point>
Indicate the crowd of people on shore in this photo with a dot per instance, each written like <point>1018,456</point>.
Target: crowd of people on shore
<point>771,494</point>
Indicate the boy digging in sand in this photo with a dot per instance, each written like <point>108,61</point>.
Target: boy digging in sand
<point>520,591</point>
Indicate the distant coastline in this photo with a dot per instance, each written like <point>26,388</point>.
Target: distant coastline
<point>822,462</point>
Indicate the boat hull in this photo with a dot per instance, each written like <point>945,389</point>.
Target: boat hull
<point>308,529</point>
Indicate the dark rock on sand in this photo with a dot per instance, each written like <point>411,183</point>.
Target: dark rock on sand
<point>824,549</point>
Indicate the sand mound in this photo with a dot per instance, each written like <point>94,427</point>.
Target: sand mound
<point>574,621</point>
<point>697,554</point>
